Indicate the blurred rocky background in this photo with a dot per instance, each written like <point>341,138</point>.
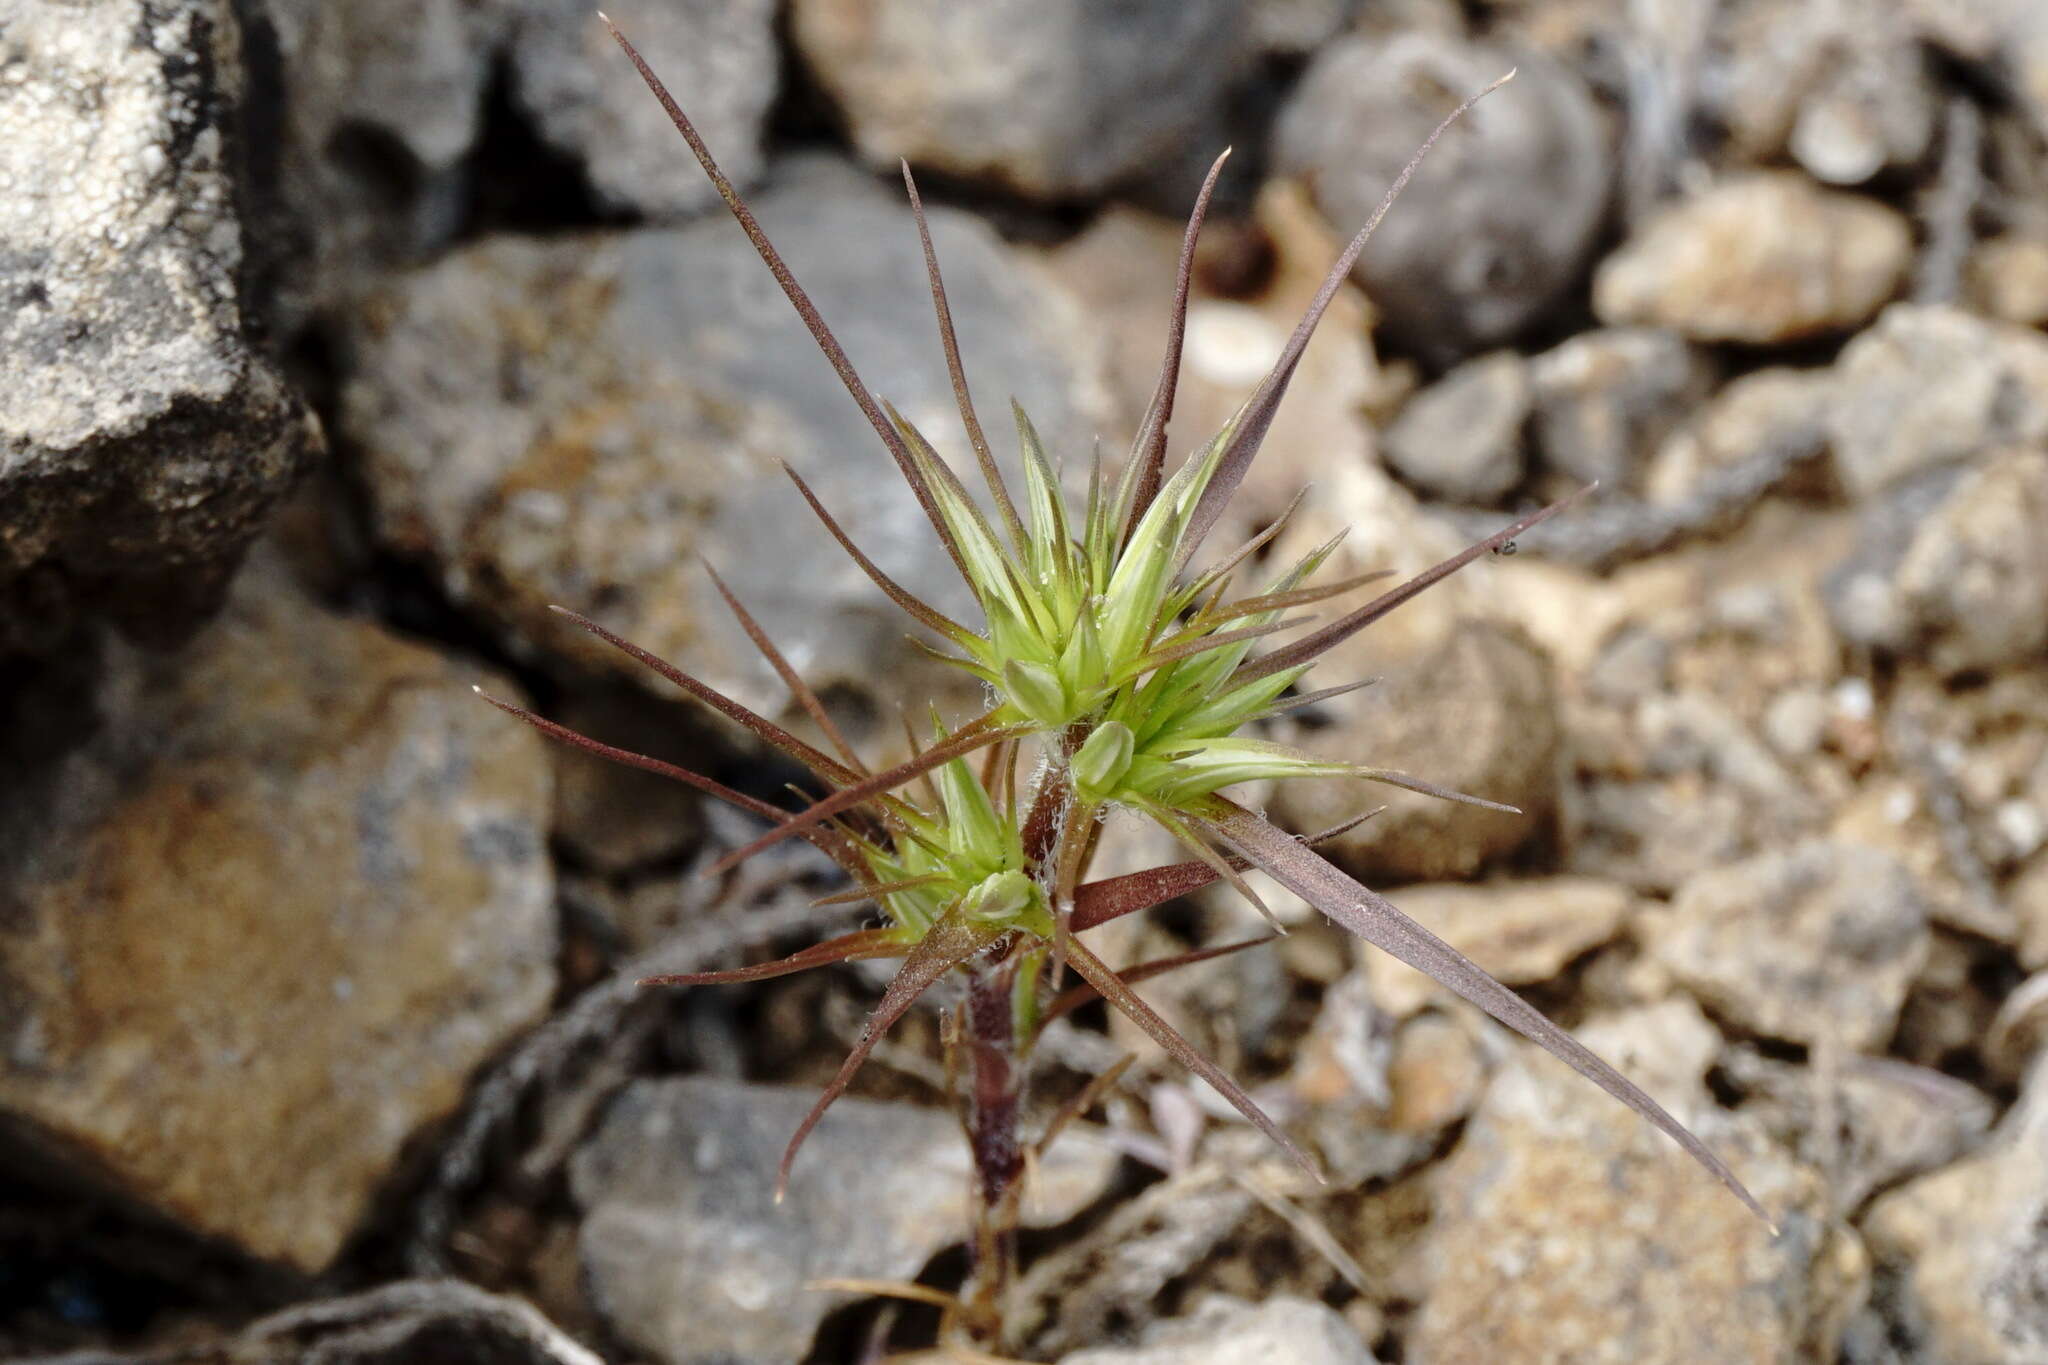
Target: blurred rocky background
<point>340,340</point>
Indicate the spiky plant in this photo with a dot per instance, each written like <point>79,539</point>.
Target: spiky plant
<point>1123,676</point>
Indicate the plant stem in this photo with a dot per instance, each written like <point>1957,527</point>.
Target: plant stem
<point>995,1100</point>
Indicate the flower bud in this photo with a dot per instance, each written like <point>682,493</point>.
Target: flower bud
<point>1103,759</point>
<point>1000,896</point>
<point>1036,691</point>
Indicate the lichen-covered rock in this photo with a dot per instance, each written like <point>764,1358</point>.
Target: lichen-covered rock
<point>260,926</point>
<point>1966,1246</point>
<point>1953,567</point>
<point>1476,713</point>
<point>1930,386</point>
<point>689,1258</point>
<point>1226,1332</point>
<point>1462,437</point>
<point>143,434</point>
<point>1050,98</point>
<point>1605,399</point>
<point>1766,259</point>
<point>718,56</point>
<point>1568,1230</point>
<point>1818,944</point>
<point>578,421</point>
<point>1497,222</point>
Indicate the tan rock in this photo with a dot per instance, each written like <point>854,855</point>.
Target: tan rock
<point>1818,943</point>
<point>1476,713</point>
<point>1765,259</point>
<point>1521,932</point>
<point>1967,1244</point>
<point>1568,1230</point>
<point>2007,278</point>
<point>264,923</point>
<point>1930,386</point>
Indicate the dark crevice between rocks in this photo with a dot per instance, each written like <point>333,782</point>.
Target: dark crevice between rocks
<point>520,183</point>
<point>81,1268</point>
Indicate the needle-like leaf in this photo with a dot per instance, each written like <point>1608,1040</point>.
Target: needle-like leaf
<point>828,840</point>
<point>762,728</point>
<point>1372,918</point>
<point>950,343</point>
<point>1309,647</point>
<point>1097,973</point>
<point>1111,898</point>
<point>798,688</point>
<point>926,615</point>
<point>951,941</point>
<point>1067,1001</point>
<point>977,734</point>
<point>813,320</point>
<point>855,947</point>
<point>1148,453</point>
<point>1258,415</point>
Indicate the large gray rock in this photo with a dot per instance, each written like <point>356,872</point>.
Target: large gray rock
<point>1050,98</point>
<point>143,434</point>
<point>1968,1245</point>
<point>1225,1332</point>
<point>382,106</point>
<point>1568,1230</point>
<point>259,927</point>
<point>577,421</point>
<point>1764,259</point>
<point>689,1258</point>
<point>1818,944</point>
<point>1497,223</point>
<point>1930,386</point>
<point>718,57</point>
<point>380,103</point>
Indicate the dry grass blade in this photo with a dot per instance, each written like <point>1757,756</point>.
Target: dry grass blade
<point>950,343</point>
<point>855,947</point>
<point>950,943</point>
<point>1258,414</point>
<point>791,679</point>
<point>977,734</point>
<point>1374,919</point>
<point>813,321</point>
<point>1149,451</point>
<point>1097,973</point>
<point>1309,647</point>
